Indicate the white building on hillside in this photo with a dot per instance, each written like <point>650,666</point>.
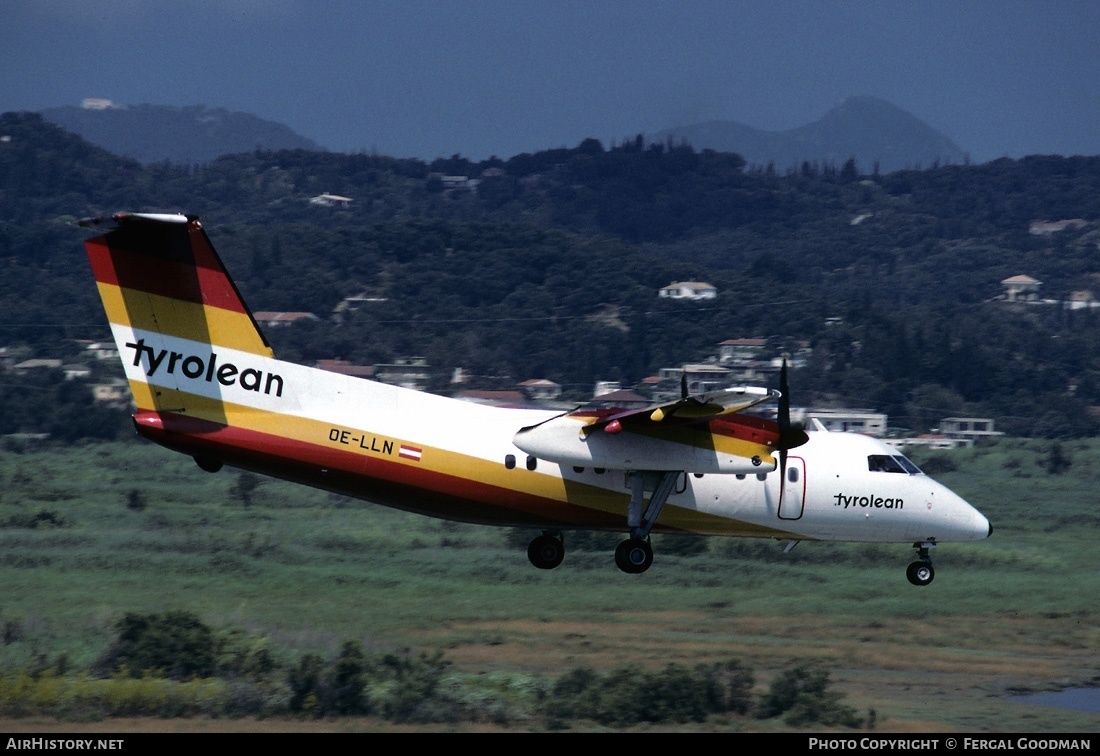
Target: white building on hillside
<point>688,290</point>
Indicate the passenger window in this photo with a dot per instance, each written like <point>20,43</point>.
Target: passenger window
<point>532,463</point>
<point>510,461</point>
<point>792,475</point>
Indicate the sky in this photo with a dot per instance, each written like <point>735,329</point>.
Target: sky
<point>435,78</point>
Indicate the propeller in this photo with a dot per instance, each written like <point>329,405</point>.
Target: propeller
<point>789,437</point>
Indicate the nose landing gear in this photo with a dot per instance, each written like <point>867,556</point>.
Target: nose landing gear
<point>921,572</point>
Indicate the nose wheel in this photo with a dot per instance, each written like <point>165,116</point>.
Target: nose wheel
<point>921,572</point>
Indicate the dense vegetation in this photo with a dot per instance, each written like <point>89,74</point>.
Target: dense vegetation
<point>549,267</point>
<point>136,584</point>
<point>174,664</point>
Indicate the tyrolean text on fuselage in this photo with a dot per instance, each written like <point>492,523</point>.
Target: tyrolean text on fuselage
<point>868,502</point>
<point>208,369</point>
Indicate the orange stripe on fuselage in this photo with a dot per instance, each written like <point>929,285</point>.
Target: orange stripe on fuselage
<point>442,483</point>
<point>411,487</point>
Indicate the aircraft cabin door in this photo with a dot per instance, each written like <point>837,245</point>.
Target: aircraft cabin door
<point>794,490</point>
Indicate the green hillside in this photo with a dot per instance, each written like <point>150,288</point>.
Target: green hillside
<point>547,265</point>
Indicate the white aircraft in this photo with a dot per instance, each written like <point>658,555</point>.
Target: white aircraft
<point>206,383</point>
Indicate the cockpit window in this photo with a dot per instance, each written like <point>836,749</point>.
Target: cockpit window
<point>891,464</point>
<point>908,465</point>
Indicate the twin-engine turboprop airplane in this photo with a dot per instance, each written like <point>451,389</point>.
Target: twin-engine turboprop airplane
<point>206,383</point>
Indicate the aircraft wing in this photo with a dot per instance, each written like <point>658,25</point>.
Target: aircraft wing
<point>698,434</point>
<point>689,409</point>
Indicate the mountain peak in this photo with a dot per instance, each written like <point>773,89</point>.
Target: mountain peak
<point>874,132</point>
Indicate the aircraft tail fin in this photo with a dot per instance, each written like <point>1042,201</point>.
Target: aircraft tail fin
<point>174,312</point>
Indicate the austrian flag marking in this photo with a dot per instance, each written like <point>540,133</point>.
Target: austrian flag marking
<point>410,452</point>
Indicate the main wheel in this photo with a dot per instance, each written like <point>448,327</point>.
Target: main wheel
<point>920,573</point>
<point>634,555</point>
<point>546,552</point>
<point>209,464</point>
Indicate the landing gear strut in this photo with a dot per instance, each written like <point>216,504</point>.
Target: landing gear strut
<point>921,572</point>
<point>635,555</point>
<point>547,550</point>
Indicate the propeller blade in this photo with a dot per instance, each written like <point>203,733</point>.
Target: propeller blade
<point>784,418</point>
<point>784,397</point>
<point>784,425</point>
<point>789,436</point>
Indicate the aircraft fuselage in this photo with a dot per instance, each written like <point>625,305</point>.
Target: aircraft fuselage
<point>206,383</point>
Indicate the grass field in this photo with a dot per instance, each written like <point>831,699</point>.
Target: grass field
<point>89,533</point>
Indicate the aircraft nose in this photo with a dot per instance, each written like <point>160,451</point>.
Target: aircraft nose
<point>982,524</point>
<point>971,524</point>
<point>979,526</point>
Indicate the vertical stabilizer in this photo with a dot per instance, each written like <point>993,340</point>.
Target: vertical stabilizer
<point>184,333</point>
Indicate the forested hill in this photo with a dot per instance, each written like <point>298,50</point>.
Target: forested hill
<point>547,265</point>
<point>875,132</point>
<point>181,135</point>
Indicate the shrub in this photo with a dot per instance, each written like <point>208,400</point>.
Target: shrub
<point>135,500</point>
<point>399,687</point>
<point>305,684</point>
<point>403,688</point>
<point>938,465</point>
<point>801,696</point>
<point>629,695</point>
<point>174,644</point>
<point>346,683</point>
<point>729,685</point>
<point>1058,460</point>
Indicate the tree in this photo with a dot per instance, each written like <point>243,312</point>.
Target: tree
<point>1057,460</point>
<point>304,680</point>
<point>245,488</point>
<point>801,696</point>
<point>135,500</point>
<point>346,681</point>
<point>174,644</point>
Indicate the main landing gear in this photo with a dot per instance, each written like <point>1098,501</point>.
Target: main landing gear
<point>921,572</point>
<point>634,555</point>
<point>547,550</point>
<point>209,464</point>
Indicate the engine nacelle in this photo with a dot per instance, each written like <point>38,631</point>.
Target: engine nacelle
<point>693,449</point>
